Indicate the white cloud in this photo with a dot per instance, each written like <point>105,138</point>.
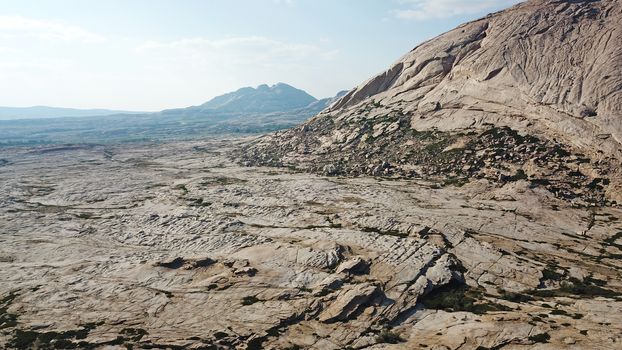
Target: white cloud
<point>254,50</point>
<point>203,67</point>
<point>16,26</point>
<point>434,9</point>
<point>8,50</point>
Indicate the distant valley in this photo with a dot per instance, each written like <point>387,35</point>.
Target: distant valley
<point>245,111</point>
<point>39,112</point>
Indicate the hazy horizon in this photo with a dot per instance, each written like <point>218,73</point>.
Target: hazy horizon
<point>154,55</point>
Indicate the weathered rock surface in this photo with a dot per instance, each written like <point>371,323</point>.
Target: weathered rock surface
<point>490,221</point>
<point>348,302</point>
<point>532,92</point>
<point>174,246</point>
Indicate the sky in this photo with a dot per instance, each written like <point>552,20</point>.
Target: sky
<point>149,55</point>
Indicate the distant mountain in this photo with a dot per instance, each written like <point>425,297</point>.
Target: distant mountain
<point>261,100</point>
<point>251,110</point>
<point>245,111</point>
<point>265,105</point>
<point>264,99</point>
<point>40,112</point>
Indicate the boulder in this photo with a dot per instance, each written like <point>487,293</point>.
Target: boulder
<point>348,302</point>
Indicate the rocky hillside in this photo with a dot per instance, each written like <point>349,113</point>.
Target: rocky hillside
<point>530,93</point>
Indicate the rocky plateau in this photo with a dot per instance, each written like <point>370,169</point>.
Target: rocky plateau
<point>467,198</point>
<point>176,246</point>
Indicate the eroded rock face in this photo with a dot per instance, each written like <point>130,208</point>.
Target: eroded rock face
<point>541,61</point>
<point>536,88</point>
<point>348,302</point>
<point>176,246</point>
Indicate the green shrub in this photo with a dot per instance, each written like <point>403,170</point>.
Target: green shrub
<point>250,300</point>
<point>540,338</point>
<point>456,297</point>
<point>388,337</point>
<point>559,312</point>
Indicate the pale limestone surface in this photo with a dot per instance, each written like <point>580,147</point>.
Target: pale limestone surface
<point>544,66</point>
<point>179,241</point>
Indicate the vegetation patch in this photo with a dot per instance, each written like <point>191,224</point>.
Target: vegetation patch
<point>72,339</point>
<point>134,334</point>
<point>550,273</point>
<point>611,241</point>
<point>388,337</point>
<point>221,181</point>
<point>75,339</point>
<point>293,347</point>
<point>456,181</point>
<point>519,175</point>
<point>220,335</point>
<point>540,338</point>
<point>182,188</point>
<point>250,300</point>
<point>7,319</point>
<point>515,297</point>
<point>395,233</point>
<point>85,216</point>
<point>199,202</point>
<point>586,288</point>
<point>497,347</point>
<point>456,297</point>
<point>559,312</point>
<point>156,185</point>
<point>575,287</point>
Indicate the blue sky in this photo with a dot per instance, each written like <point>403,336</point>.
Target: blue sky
<point>156,54</point>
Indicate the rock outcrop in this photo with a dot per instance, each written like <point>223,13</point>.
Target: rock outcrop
<point>533,91</point>
<point>175,246</point>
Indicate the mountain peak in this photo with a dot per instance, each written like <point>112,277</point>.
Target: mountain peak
<point>283,86</point>
<point>263,99</point>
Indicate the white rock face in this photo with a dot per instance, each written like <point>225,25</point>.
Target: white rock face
<point>547,70</point>
<point>552,64</point>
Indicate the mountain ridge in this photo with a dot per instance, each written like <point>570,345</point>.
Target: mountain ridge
<point>280,97</point>
<point>182,123</point>
<point>264,98</point>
